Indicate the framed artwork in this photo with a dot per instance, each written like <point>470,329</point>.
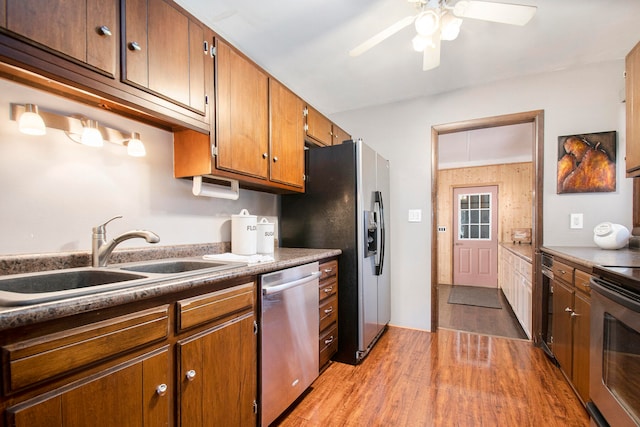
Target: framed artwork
<point>587,163</point>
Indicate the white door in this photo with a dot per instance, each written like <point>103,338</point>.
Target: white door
<point>475,243</point>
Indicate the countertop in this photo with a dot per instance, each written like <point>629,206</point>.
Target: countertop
<point>524,251</point>
<point>589,257</point>
<point>11,317</point>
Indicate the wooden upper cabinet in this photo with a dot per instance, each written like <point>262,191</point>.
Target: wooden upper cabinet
<point>632,84</point>
<point>242,131</point>
<point>339,135</point>
<point>85,30</point>
<point>165,50</point>
<point>318,127</point>
<point>287,135</point>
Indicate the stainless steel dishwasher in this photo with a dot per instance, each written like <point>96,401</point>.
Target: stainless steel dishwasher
<point>289,337</point>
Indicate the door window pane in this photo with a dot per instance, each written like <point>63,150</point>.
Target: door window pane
<point>474,216</point>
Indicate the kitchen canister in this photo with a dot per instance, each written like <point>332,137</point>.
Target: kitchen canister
<point>243,233</point>
<point>265,236</point>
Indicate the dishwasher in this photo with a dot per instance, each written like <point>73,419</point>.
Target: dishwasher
<point>290,345</point>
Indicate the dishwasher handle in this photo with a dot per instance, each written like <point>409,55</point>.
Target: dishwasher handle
<point>288,285</point>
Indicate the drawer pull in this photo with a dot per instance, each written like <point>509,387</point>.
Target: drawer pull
<point>562,272</point>
<point>328,270</point>
<point>104,31</point>
<point>328,289</point>
<point>134,46</point>
<point>329,340</point>
<point>328,310</point>
<point>191,374</point>
<point>574,314</point>
<point>161,390</point>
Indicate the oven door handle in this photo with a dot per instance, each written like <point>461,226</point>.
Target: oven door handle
<point>615,293</point>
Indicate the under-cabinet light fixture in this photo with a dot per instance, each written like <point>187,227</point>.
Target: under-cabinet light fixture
<point>33,121</point>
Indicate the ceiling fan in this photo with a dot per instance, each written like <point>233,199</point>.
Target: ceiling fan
<point>436,20</point>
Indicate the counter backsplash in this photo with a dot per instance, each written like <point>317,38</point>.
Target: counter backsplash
<point>29,263</point>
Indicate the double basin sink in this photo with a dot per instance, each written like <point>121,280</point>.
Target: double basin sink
<point>33,288</point>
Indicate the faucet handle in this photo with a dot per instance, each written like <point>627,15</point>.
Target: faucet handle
<point>101,229</point>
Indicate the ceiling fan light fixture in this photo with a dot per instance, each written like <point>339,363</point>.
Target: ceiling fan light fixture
<point>449,27</point>
<point>420,42</point>
<point>427,22</point>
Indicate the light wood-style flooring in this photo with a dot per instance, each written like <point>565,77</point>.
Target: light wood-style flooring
<point>448,378</point>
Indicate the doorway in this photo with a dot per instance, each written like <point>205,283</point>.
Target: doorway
<point>536,118</point>
<point>475,237</point>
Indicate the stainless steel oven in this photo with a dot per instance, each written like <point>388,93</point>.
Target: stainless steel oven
<point>546,339</point>
<point>614,385</point>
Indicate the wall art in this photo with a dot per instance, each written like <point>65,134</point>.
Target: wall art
<point>587,163</point>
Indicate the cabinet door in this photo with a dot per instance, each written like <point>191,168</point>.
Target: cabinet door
<point>164,52</point>
<point>287,136</point>
<point>128,396</point>
<point>632,83</point>
<point>319,127</point>
<point>242,112</point>
<point>218,376</point>
<point>581,342</point>
<point>562,342</point>
<point>72,28</point>
<point>339,135</point>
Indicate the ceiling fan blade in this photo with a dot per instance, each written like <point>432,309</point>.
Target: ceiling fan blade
<point>382,35</point>
<point>431,55</point>
<point>503,13</point>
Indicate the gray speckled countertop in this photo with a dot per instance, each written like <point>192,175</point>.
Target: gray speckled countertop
<point>11,317</point>
<point>592,256</point>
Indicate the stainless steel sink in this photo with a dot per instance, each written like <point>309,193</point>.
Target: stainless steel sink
<point>179,266</point>
<point>31,288</point>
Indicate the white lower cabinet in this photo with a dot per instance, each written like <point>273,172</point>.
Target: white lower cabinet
<point>515,281</point>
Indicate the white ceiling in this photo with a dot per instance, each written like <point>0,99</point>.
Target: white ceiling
<point>305,44</point>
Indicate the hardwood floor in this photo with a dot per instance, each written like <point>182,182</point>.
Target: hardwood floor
<point>481,320</point>
<point>448,378</point>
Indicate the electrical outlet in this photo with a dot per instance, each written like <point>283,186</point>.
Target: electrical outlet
<point>442,229</point>
<point>576,220</point>
<point>415,215</point>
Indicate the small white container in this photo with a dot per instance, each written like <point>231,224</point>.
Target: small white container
<point>611,236</point>
<point>266,231</point>
<point>243,233</point>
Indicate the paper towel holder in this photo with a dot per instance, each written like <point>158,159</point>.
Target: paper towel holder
<point>207,189</point>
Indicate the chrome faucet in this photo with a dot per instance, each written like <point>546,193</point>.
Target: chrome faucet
<point>101,250</point>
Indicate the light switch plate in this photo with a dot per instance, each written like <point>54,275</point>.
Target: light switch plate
<point>576,220</point>
<point>415,215</point>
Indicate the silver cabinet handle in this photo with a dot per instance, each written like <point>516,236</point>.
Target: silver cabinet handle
<point>328,290</point>
<point>574,314</point>
<point>161,390</point>
<point>329,340</point>
<point>134,46</point>
<point>265,155</point>
<point>275,159</point>
<point>328,310</point>
<point>328,270</point>
<point>104,30</point>
<point>568,310</point>
<point>191,374</point>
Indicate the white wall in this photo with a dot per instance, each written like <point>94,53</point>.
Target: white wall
<point>575,101</point>
<point>53,191</point>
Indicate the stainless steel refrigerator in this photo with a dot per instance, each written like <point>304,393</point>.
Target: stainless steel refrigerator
<point>346,206</point>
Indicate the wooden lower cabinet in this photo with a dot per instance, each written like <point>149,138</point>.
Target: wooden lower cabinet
<point>218,376</point>
<point>328,311</point>
<point>131,394</point>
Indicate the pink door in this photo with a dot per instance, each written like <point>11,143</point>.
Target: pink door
<point>475,242</point>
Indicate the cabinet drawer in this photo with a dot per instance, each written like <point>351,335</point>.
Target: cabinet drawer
<point>562,271</point>
<point>328,269</point>
<point>328,288</point>
<point>582,281</point>
<point>215,306</point>
<point>328,312</point>
<point>35,360</point>
<point>328,345</point>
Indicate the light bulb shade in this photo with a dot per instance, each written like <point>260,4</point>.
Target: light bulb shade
<point>91,135</point>
<point>450,27</point>
<point>135,147</point>
<point>30,122</point>
<point>420,42</point>
<point>427,22</point>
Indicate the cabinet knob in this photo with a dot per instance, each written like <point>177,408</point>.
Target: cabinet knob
<point>161,390</point>
<point>328,270</point>
<point>191,374</point>
<point>275,159</point>
<point>265,155</point>
<point>328,290</point>
<point>574,314</point>
<point>329,340</point>
<point>328,310</point>
<point>134,46</point>
<point>568,310</point>
<point>104,31</point>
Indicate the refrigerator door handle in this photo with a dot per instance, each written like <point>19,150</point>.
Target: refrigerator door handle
<point>378,200</point>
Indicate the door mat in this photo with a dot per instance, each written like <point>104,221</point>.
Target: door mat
<point>475,295</point>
